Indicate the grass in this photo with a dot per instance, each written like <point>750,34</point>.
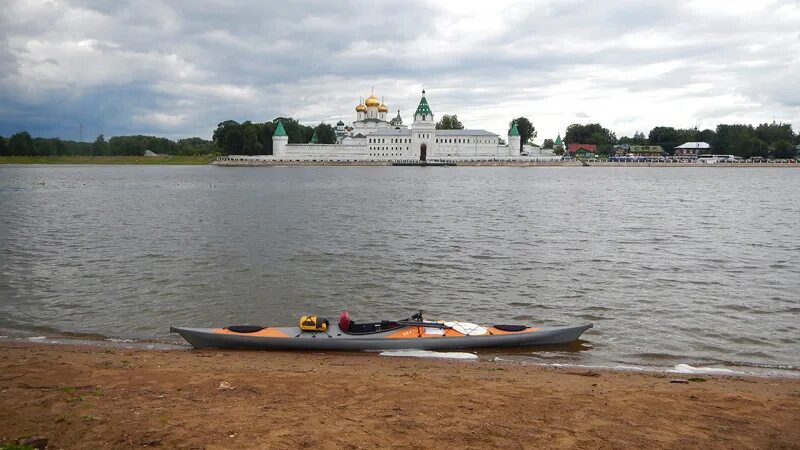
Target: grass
<point>159,160</point>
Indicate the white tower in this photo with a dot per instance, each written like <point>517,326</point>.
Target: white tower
<point>514,141</point>
<point>423,130</point>
<point>279,140</point>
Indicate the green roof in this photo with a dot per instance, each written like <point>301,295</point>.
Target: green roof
<point>423,108</point>
<point>279,130</point>
<point>314,138</point>
<point>558,140</point>
<point>514,131</point>
<point>646,149</point>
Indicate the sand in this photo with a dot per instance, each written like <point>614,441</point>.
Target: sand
<point>89,397</point>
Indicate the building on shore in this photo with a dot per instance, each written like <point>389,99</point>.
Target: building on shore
<point>582,150</point>
<point>646,150</point>
<point>375,137</point>
<point>690,150</point>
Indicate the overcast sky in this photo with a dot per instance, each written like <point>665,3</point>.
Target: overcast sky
<point>177,68</point>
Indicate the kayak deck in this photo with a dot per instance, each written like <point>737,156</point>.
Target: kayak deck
<point>404,337</point>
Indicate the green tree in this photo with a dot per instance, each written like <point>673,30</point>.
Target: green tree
<point>196,147</point>
<point>592,133</point>
<point>548,143</point>
<point>100,146</point>
<point>739,140</point>
<point>47,147</point>
<point>228,137</point>
<point>706,136</point>
<point>3,150</point>
<point>784,150</point>
<point>638,139</point>
<point>250,144</point>
<point>667,137</point>
<point>527,131</point>
<point>448,122</point>
<point>772,133</point>
<point>20,144</point>
<point>325,133</point>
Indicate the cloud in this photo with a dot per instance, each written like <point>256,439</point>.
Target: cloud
<point>177,68</point>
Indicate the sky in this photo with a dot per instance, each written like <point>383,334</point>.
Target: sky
<point>178,68</point>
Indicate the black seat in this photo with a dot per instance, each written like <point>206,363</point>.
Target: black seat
<point>244,328</point>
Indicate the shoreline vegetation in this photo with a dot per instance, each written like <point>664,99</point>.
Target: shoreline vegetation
<point>153,160</point>
<point>774,140</point>
<point>90,397</point>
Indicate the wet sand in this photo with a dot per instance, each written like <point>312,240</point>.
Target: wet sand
<point>88,397</point>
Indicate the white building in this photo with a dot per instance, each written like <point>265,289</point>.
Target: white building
<point>372,136</point>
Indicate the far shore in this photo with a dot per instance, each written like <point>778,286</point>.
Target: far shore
<point>519,162</point>
<point>227,162</point>
<point>138,160</point>
<point>90,397</point>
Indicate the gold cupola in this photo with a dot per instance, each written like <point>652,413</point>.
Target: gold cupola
<point>361,107</point>
<point>372,101</point>
<point>382,107</point>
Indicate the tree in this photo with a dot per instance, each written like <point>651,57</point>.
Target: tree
<point>100,146</point>
<point>706,136</point>
<point>548,143</point>
<point>20,144</point>
<point>527,131</point>
<point>667,137</point>
<point>3,150</point>
<point>784,150</point>
<point>592,133</point>
<point>638,139</point>
<point>448,122</point>
<point>250,144</point>
<point>739,140</point>
<point>197,146</point>
<point>774,132</point>
<point>325,133</point>
<point>228,137</point>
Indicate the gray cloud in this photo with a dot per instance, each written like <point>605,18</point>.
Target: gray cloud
<point>178,68</point>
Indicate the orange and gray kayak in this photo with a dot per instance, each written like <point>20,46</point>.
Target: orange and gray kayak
<point>318,334</point>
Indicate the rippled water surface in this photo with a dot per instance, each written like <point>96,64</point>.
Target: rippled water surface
<point>673,265</point>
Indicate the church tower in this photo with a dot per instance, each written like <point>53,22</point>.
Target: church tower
<point>514,144</point>
<point>279,140</point>
<point>423,130</point>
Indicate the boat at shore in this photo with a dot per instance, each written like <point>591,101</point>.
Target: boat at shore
<point>314,333</point>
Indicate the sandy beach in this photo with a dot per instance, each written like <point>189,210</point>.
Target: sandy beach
<point>89,397</point>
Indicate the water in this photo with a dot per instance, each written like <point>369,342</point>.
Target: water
<point>694,266</point>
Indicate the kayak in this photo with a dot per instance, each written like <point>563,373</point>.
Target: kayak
<point>414,333</point>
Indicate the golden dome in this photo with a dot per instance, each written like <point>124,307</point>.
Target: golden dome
<point>383,108</point>
<point>361,108</point>
<point>372,101</point>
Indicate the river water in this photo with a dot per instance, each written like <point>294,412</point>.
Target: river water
<point>696,266</point>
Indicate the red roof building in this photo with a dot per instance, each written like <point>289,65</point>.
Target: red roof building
<point>587,148</point>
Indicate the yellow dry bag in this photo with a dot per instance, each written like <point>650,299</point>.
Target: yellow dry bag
<point>313,323</point>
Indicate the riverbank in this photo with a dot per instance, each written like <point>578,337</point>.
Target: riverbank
<point>88,397</point>
<point>519,162</point>
<point>154,160</point>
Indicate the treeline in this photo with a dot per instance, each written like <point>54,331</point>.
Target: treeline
<point>766,140</point>
<point>22,144</point>
<point>248,138</point>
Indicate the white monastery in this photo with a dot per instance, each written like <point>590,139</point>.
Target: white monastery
<point>372,137</point>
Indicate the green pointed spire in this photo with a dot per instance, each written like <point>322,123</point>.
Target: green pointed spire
<point>514,131</point>
<point>279,130</point>
<point>558,140</point>
<point>314,138</point>
<point>423,108</point>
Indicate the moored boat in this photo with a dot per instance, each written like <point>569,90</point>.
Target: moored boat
<point>319,334</point>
